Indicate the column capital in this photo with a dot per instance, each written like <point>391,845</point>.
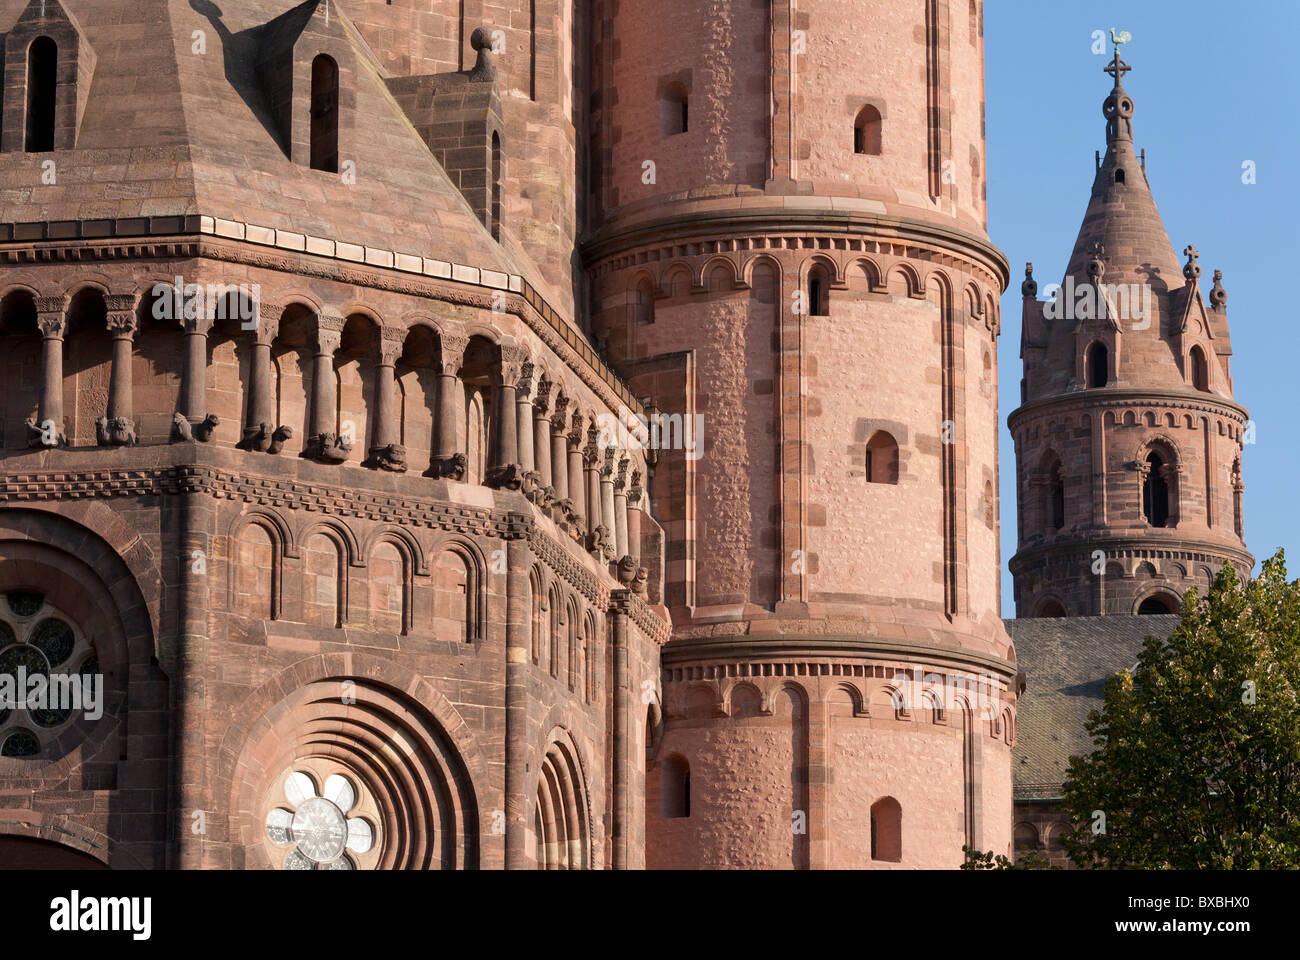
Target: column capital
<point>620,483</point>
<point>57,305</point>
<point>524,382</point>
<point>200,324</point>
<point>607,465</point>
<point>391,343</point>
<point>543,399</point>
<point>513,358</point>
<point>122,323</point>
<point>52,325</point>
<point>635,490</point>
<point>122,302</point>
<point>451,352</point>
<point>328,334</point>
<point>266,323</point>
<point>558,416</point>
<point>576,429</point>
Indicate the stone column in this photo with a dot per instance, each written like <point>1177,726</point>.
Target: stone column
<point>607,504</point>
<point>591,462</point>
<point>386,451</point>
<point>634,513</point>
<point>577,490</point>
<point>117,426</point>
<point>524,418</point>
<point>323,442</point>
<point>194,383</point>
<point>542,438</point>
<point>559,451</point>
<point>447,460</point>
<point>620,510</point>
<point>504,470</point>
<point>46,428</point>
<point>259,418</point>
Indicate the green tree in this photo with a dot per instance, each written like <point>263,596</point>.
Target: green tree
<point>1197,752</point>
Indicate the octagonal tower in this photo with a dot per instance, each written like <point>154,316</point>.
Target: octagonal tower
<point>1128,440</point>
<point>789,261</point>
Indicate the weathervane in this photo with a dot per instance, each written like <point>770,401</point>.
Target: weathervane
<point>1117,68</point>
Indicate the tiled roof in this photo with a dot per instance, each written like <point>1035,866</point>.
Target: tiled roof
<point>1066,662</point>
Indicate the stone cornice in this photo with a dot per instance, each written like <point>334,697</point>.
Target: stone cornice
<point>640,613</point>
<point>1078,552</point>
<point>815,216</point>
<point>25,486</point>
<point>836,646</point>
<point>1112,397</point>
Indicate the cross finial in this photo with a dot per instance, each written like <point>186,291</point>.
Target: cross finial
<point>1191,269</point>
<point>1191,253</point>
<point>1117,67</point>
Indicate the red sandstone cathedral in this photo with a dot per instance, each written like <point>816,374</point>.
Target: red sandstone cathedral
<point>563,435</point>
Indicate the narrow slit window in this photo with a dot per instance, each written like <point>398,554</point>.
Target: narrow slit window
<point>324,115</point>
<point>42,82</point>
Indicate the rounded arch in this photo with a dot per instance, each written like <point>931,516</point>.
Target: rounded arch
<point>1096,362</point>
<point>867,131</point>
<point>476,568</point>
<point>562,802</point>
<point>82,847</point>
<point>742,699</point>
<point>1157,600</point>
<point>869,270</point>
<point>428,802</point>
<point>701,701</point>
<point>81,282</point>
<point>404,541</point>
<point>678,280</point>
<point>340,533</point>
<point>911,277</point>
<point>718,274</point>
<point>1050,606</point>
<point>748,267</point>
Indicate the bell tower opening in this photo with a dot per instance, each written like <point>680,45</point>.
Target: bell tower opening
<point>1155,492</point>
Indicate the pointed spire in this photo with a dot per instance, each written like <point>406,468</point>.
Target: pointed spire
<point>1122,214</point>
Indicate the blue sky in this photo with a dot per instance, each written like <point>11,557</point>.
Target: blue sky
<point>1214,85</point>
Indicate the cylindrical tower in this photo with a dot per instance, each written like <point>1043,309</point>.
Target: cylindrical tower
<point>790,263</point>
<point>1128,440</point>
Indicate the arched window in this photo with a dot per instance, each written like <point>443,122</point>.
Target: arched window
<point>496,185</point>
<point>1155,492</point>
<point>643,302</point>
<point>1050,608</point>
<point>42,82</point>
<point>1200,370</point>
<point>1119,174</point>
<point>988,504</point>
<point>882,458</point>
<point>674,110</point>
<point>1025,837</point>
<point>866,132</point>
<point>1157,604</point>
<point>887,830</point>
<point>324,114</point>
<point>675,788</point>
<point>1098,362</point>
<point>818,292</point>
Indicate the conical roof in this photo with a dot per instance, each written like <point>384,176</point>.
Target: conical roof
<point>1122,215</point>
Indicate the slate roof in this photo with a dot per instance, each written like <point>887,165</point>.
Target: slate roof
<point>1066,662</point>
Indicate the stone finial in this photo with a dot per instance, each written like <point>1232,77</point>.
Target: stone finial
<point>1029,289</point>
<point>1218,296</point>
<point>484,69</point>
<point>1191,269</point>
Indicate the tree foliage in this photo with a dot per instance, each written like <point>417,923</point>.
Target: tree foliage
<point>1197,753</point>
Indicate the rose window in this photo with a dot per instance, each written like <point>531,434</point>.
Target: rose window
<point>37,641</point>
<point>327,829</point>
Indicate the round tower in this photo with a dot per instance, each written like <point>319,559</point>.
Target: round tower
<point>790,264</point>
<point>1128,441</point>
